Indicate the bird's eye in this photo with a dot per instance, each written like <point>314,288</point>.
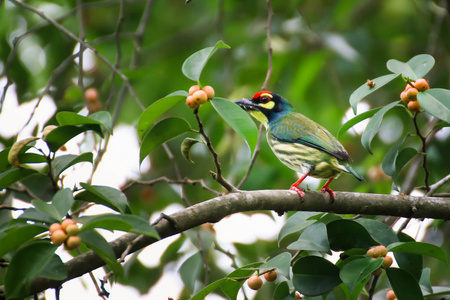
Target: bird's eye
<point>264,99</point>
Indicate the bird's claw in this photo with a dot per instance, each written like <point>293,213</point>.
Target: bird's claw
<point>299,191</point>
<point>329,191</point>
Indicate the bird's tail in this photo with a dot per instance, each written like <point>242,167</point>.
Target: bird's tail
<point>349,169</point>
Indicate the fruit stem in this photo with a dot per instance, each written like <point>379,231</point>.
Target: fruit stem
<point>423,152</point>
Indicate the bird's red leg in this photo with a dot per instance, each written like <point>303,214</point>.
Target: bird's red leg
<point>298,189</point>
<point>325,188</point>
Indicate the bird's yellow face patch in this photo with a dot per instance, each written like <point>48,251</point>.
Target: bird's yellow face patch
<point>260,117</point>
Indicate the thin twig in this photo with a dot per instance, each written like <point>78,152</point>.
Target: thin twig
<point>172,181</point>
<point>437,185</point>
<point>269,45</point>
<point>227,253</point>
<point>216,176</point>
<point>140,33</point>
<point>8,207</point>
<point>94,281</point>
<point>255,154</point>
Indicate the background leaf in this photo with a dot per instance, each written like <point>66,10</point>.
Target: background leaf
<point>364,90</point>
<point>436,102</point>
<point>415,68</point>
<point>156,109</point>
<point>374,125</point>
<point>315,276</point>
<point>190,270</point>
<point>238,119</point>
<point>35,257</point>
<point>193,66</point>
<point>162,132</point>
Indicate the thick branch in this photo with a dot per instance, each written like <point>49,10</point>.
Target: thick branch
<point>278,200</point>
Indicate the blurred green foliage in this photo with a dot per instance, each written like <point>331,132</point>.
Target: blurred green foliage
<point>322,52</point>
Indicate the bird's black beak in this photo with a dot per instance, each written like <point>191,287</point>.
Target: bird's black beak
<point>247,104</point>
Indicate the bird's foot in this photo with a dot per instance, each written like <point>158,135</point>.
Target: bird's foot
<point>329,191</point>
<point>299,191</point>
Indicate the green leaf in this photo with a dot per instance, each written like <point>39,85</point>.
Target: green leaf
<point>365,90</point>
<point>348,234</point>
<point>190,270</point>
<point>104,118</point>
<point>31,158</point>
<point>374,125</point>
<point>72,118</point>
<point>100,246</point>
<point>194,64</point>
<point>25,265</point>
<point>313,238</point>
<point>403,157</point>
<point>55,269</point>
<point>61,163</point>
<point>352,122</point>
<point>419,248</point>
<point>16,236</point>
<point>415,68</point>
<point>390,158</point>
<point>209,288</point>
<point>294,226</point>
<point>315,276</point>
<point>282,262</point>
<point>403,284</point>
<point>156,109</point>
<point>56,138</point>
<point>123,222</point>
<point>358,270</point>
<point>232,287</point>
<point>9,177</point>
<point>48,209</point>
<point>425,282</point>
<point>105,195</point>
<point>186,148</point>
<point>162,132</point>
<point>282,292</point>
<point>238,119</point>
<point>436,102</point>
<point>381,232</point>
<point>410,262</point>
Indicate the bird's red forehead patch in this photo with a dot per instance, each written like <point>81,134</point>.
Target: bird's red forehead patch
<point>258,94</point>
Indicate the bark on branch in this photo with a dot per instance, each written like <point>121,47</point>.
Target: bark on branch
<point>217,208</point>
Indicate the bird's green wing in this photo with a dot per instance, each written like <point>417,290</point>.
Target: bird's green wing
<point>296,128</point>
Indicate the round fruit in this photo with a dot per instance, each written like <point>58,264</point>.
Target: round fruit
<point>270,276</point>
<point>369,252</point>
<point>404,97</point>
<point>414,106</point>
<point>91,95</point>
<point>408,85</point>
<point>190,101</point>
<point>390,295</point>
<point>209,91</point>
<point>72,229</point>
<point>54,227</point>
<point>254,282</point>
<point>67,222</point>
<point>377,272</point>
<point>421,85</point>
<point>200,97</point>
<point>387,262</point>
<point>73,242</point>
<point>379,251</point>
<point>298,295</point>
<point>59,237</point>
<point>411,94</point>
<point>193,89</point>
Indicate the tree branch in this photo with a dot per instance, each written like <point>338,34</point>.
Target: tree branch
<point>217,208</point>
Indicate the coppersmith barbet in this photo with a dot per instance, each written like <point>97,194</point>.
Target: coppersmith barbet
<point>298,142</point>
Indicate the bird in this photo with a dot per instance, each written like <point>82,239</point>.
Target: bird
<point>298,142</point>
